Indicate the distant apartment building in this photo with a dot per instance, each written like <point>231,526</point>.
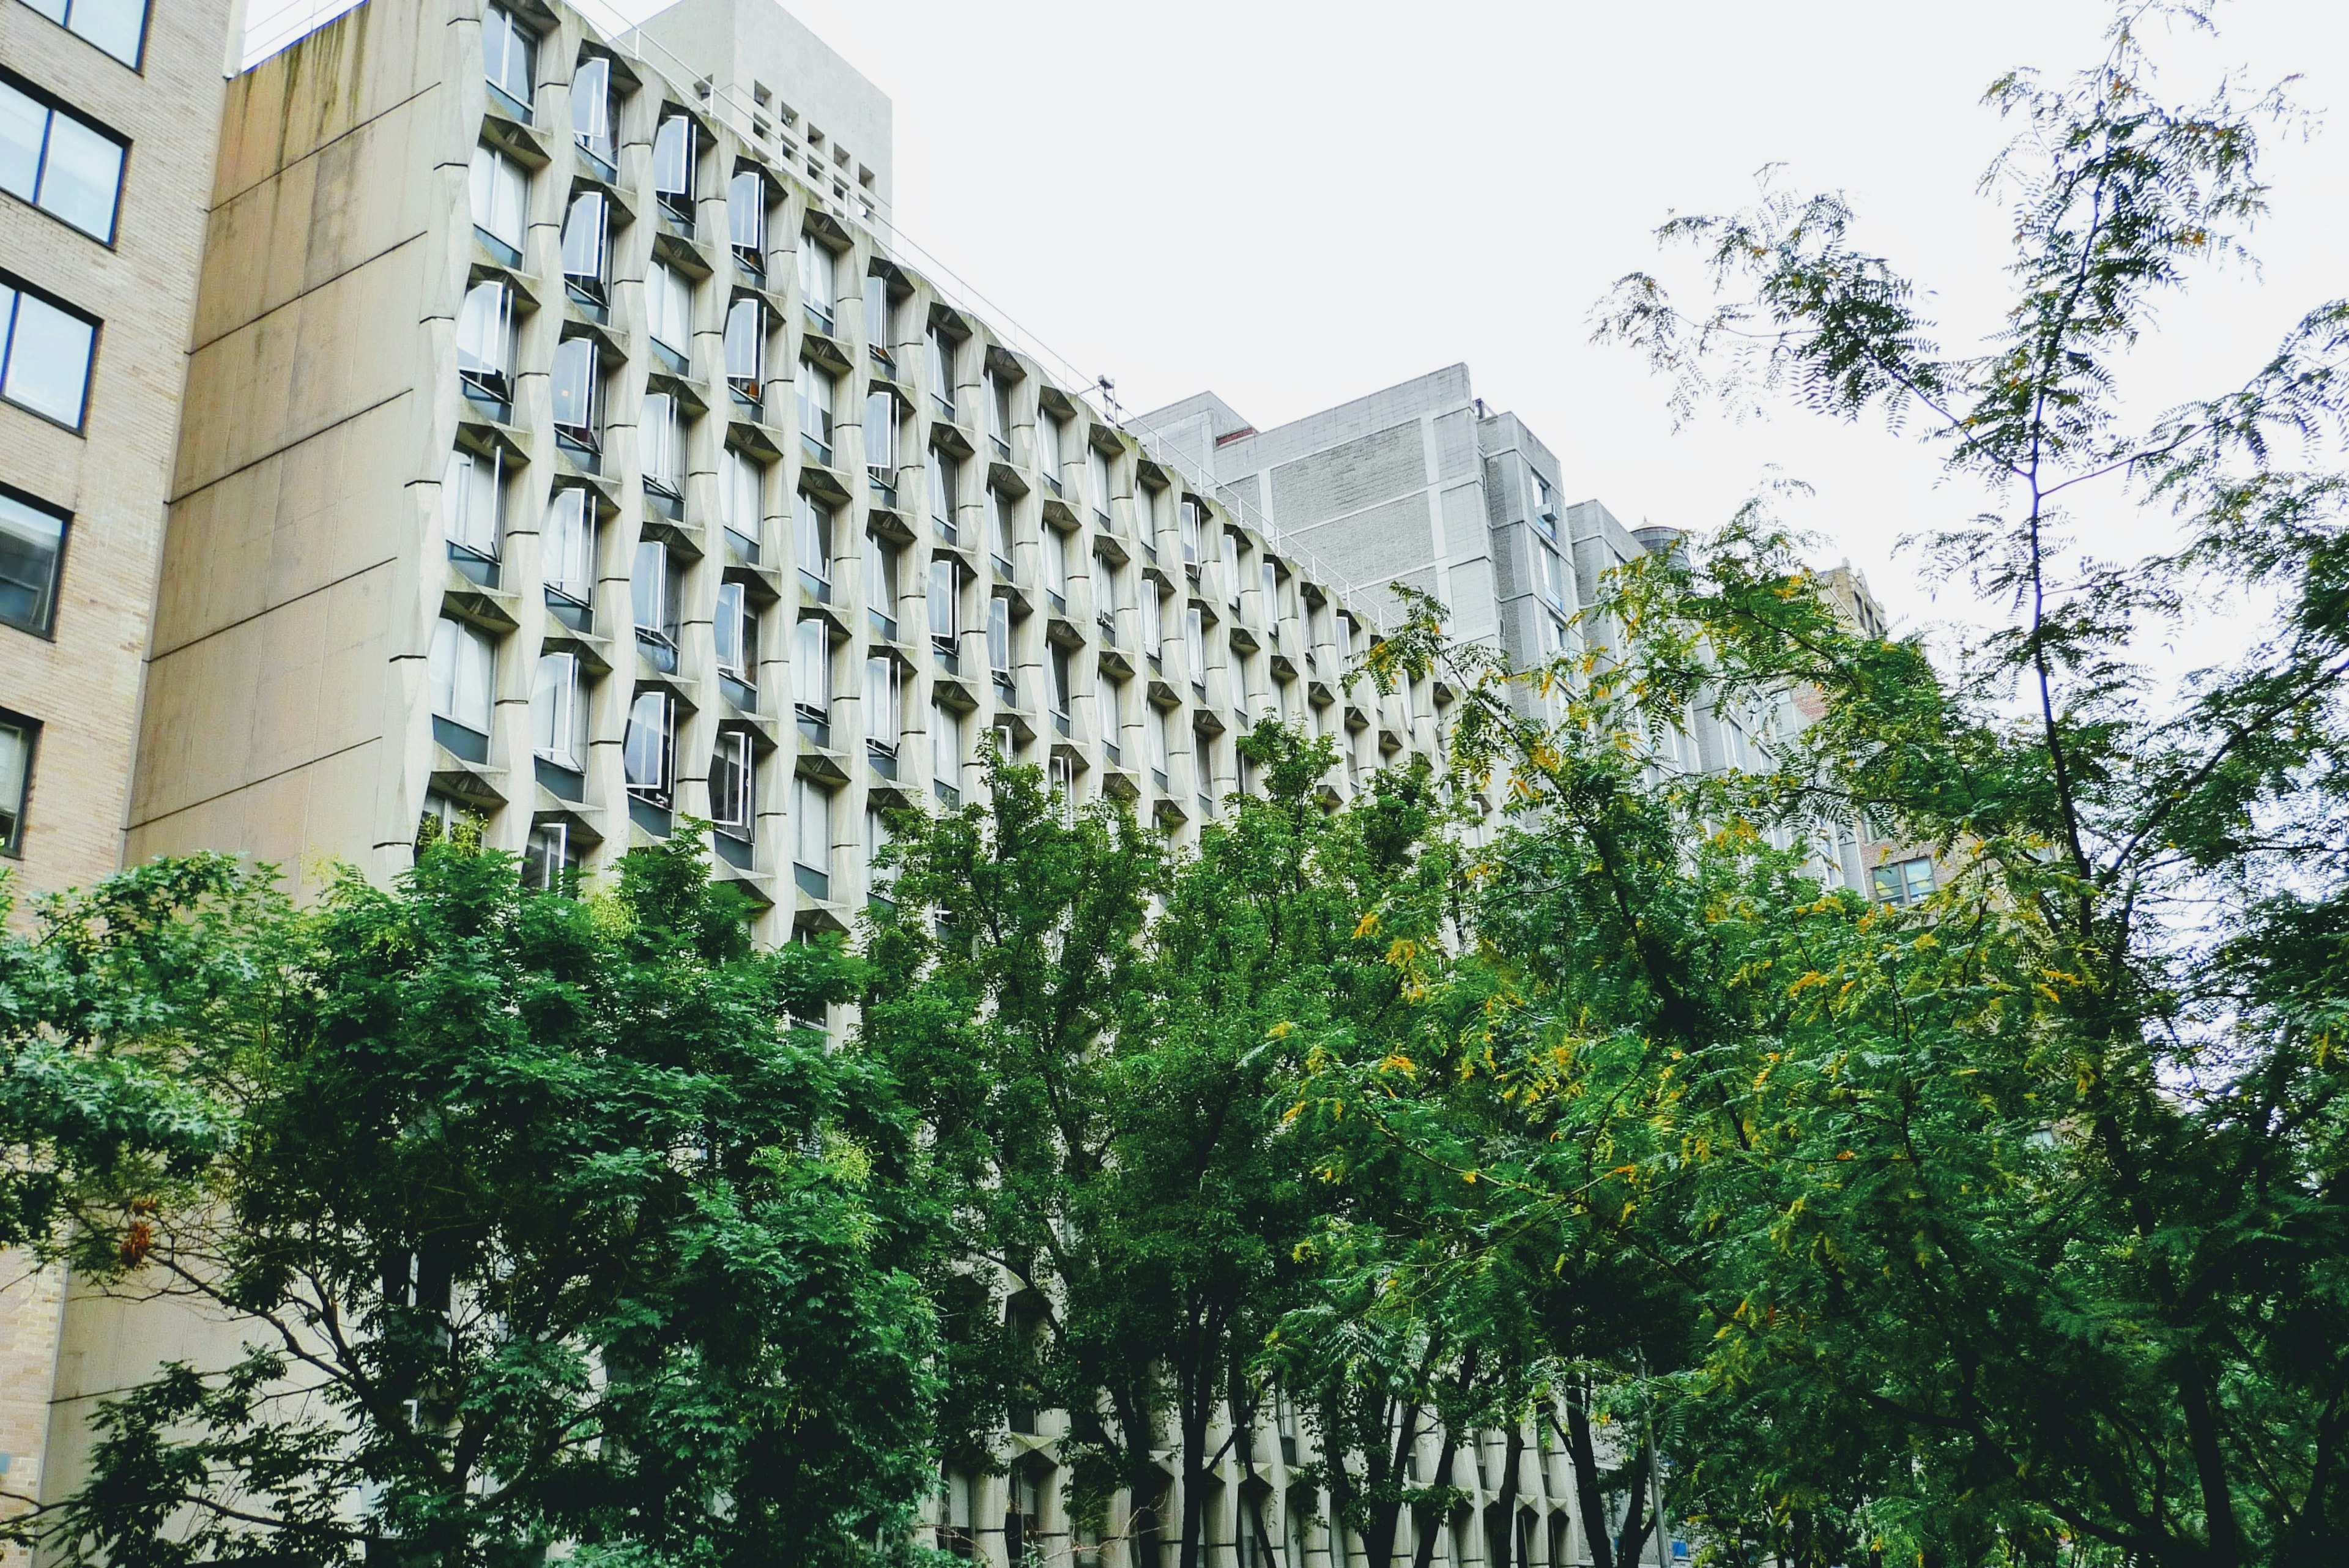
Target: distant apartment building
<point>106,111</point>
<point>1421,486</point>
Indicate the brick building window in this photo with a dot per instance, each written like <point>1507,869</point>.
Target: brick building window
<point>68,167</point>
<point>32,550</point>
<point>46,347</point>
<point>19,738</point>
<point>1905,882</point>
<point>118,26</point>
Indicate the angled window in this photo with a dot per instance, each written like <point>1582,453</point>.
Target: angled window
<point>1190,533</point>
<point>664,436</point>
<point>558,712</point>
<point>735,630</point>
<point>740,482</point>
<point>509,51</point>
<point>998,410</point>
<point>648,751</point>
<point>878,335</point>
<point>881,577</point>
<point>939,354</point>
<point>500,191</point>
<point>812,541</point>
<point>945,748</point>
<point>44,354</point>
<point>811,825</point>
<point>118,26</point>
<point>668,308</point>
<point>587,247</point>
<point>946,476</point>
<point>550,860</point>
<point>733,774</point>
<point>1097,481</point>
<point>999,508</point>
<point>746,219</point>
<point>945,612</point>
<point>819,282</point>
<point>1145,515</point>
<point>577,386</point>
<point>32,550</point>
<point>882,690</point>
<point>1056,561</point>
<point>746,347</point>
<point>881,437</point>
<point>474,502</point>
<point>65,165</point>
<point>812,671</point>
<point>1061,686</point>
<point>485,340</point>
<point>591,111</point>
<point>815,393</point>
<point>652,594</point>
<point>462,671</point>
<point>1195,643</point>
<point>1544,506</point>
<point>999,634</point>
<point>1048,448</point>
<point>19,738</point>
<point>673,147</point>
<point>567,555</point>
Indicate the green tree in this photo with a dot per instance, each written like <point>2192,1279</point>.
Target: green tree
<point>2014,1223</point>
<point>548,1227</point>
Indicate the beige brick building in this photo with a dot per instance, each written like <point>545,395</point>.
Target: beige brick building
<point>106,111</point>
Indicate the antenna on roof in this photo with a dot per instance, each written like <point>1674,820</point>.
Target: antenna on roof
<point>1108,389</point>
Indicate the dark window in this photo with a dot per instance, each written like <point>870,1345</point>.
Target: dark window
<point>18,737</point>
<point>32,547</point>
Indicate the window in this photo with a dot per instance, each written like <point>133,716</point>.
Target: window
<point>473,498</point>
<point>17,739</point>
<point>1061,783</point>
<point>1195,643</point>
<point>811,538</point>
<point>1056,562</point>
<point>945,748</point>
<point>1905,882</point>
<point>1061,686</point>
<point>673,158</point>
<point>60,162</point>
<point>1113,700</point>
<point>998,410</point>
<point>44,354</point>
<point>999,634</point>
<point>567,557</point>
<point>815,411</point>
<point>1000,505</point>
<point>881,582</point>
<point>733,776</point>
<point>587,247</point>
<point>812,671</point>
<point>118,26</point>
<point>1048,448</point>
<point>485,340</point>
<point>946,484</point>
<point>501,201</point>
<point>746,347</point>
<point>1190,533</point>
<point>668,308</point>
<point>507,47</point>
<point>811,825</point>
<point>945,618</point>
<point>32,549</point>
<point>1154,729</point>
<point>549,861</point>
<point>664,436</point>
<point>878,335</point>
<point>819,281</point>
<point>1229,543</point>
<point>1545,508</point>
<point>876,839</point>
<point>591,111</point>
<point>576,384</point>
<point>462,671</point>
<point>938,351</point>
<point>1145,515</point>
<point>558,712</point>
<point>746,219</point>
<point>1097,481</point>
<point>882,695</point>
<point>652,592</point>
<point>740,482</point>
<point>881,437</point>
<point>1549,569</point>
<point>648,753</point>
<point>735,633</point>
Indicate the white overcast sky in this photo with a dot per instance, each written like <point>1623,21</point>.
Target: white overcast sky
<point>1293,202</point>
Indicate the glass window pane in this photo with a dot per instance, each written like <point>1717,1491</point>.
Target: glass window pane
<point>582,239</point>
<point>481,346</point>
<point>746,213</point>
<point>32,540</point>
<point>23,124</point>
<point>645,753</point>
<point>569,564</point>
<point>48,361</point>
<point>16,776</point>
<point>114,25</point>
<point>574,382</point>
<point>673,157</point>
<point>591,107</point>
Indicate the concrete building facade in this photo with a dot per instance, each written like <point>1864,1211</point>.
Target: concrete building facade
<point>106,111</point>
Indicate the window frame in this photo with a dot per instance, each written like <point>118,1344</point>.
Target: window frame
<point>22,290</point>
<point>607,155</point>
<point>517,31</point>
<point>589,434</point>
<point>594,286</point>
<point>733,754</point>
<point>556,497</point>
<point>12,813</point>
<point>464,635</point>
<point>678,201</point>
<point>46,629</point>
<point>661,792</point>
<point>53,106</point>
<point>137,56</point>
<point>560,735</point>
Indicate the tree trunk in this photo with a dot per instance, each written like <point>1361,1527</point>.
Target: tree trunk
<point>1633,1536</point>
<point>1501,1531</point>
<point>1386,1514</point>
<point>1583,1457</point>
<point>1424,1514</point>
